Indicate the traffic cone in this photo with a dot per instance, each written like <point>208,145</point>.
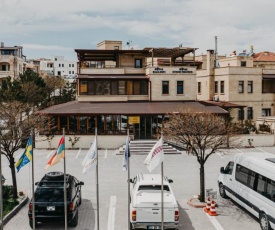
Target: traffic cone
<point>208,205</point>
<point>212,211</point>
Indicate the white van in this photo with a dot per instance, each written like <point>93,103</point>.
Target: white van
<point>249,179</point>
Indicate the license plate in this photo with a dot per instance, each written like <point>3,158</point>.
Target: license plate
<point>50,208</point>
<point>154,227</point>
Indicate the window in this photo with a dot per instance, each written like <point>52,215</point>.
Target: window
<point>83,87</point>
<point>199,87</point>
<point>240,114</point>
<point>129,87</point>
<point>136,87</point>
<point>222,86</point>
<point>98,87</point>
<point>266,112</point>
<point>69,65</point>
<point>241,84</point>
<point>59,65</point>
<point>138,63</point>
<point>229,168</point>
<point>243,63</point>
<point>144,87</point>
<point>116,47</point>
<point>69,72</point>
<point>249,113</point>
<point>107,89</point>
<point>242,174</point>
<point>179,87</point>
<point>261,185</point>
<point>250,87</point>
<point>114,88</point>
<point>62,65</point>
<point>72,72</point>
<point>121,87</point>
<point>72,65</point>
<point>165,87</point>
<point>216,87</point>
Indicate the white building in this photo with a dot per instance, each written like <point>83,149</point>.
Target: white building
<point>58,66</point>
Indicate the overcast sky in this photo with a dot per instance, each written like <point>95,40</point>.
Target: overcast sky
<point>56,27</point>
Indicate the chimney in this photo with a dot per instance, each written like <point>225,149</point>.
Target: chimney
<point>210,62</point>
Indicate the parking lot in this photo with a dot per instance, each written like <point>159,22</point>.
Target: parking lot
<point>182,168</point>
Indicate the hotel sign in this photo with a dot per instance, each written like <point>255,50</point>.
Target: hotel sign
<point>159,70</point>
<point>133,120</point>
<point>182,70</point>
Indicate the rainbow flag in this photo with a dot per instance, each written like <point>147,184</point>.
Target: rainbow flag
<point>60,153</point>
<point>26,157</point>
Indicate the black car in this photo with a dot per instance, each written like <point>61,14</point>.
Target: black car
<point>49,199</point>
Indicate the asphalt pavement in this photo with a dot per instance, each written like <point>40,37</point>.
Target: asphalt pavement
<point>182,168</point>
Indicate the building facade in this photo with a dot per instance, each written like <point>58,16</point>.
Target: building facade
<point>12,61</point>
<point>58,66</point>
<point>129,89</point>
<point>246,79</point>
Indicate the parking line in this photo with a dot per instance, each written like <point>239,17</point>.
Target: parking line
<point>112,212</point>
<point>51,153</point>
<point>78,153</point>
<point>215,222</point>
<point>239,150</point>
<point>262,150</point>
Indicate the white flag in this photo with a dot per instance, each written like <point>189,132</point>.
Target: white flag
<point>126,155</point>
<point>90,159</point>
<point>155,157</point>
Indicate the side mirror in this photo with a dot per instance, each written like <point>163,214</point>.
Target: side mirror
<point>222,170</point>
<point>36,183</point>
<point>81,183</point>
<point>131,181</point>
<point>170,181</point>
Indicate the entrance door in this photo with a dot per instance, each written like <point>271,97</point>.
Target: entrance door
<point>143,129</point>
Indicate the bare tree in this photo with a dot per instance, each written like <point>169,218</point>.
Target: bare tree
<point>200,133</point>
<point>15,128</point>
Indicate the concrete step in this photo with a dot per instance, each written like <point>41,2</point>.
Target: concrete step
<point>143,147</point>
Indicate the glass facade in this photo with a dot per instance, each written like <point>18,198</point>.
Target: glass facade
<point>149,127</point>
<point>113,87</point>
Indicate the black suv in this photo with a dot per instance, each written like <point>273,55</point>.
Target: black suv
<point>49,199</point>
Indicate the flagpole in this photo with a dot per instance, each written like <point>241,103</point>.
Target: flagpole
<point>65,184</point>
<point>97,192</point>
<point>1,192</point>
<point>162,213</point>
<point>128,182</point>
<point>33,199</point>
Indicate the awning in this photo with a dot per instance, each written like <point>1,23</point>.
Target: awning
<point>113,76</point>
<point>128,108</point>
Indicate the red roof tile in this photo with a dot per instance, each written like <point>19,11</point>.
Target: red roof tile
<point>264,56</point>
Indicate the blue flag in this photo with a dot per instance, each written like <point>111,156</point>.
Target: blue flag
<point>26,156</point>
<point>126,154</point>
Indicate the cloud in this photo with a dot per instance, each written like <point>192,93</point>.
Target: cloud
<point>193,23</point>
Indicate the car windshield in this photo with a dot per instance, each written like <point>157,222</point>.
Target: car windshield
<point>46,194</point>
<point>153,187</point>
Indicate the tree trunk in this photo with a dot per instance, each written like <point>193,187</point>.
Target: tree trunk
<point>202,186</point>
<point>13,174</point>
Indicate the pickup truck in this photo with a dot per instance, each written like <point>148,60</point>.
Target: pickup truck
<point>145,203</point>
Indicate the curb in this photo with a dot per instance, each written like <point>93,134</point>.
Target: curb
<point>191,203</point>
<point>13,212</point>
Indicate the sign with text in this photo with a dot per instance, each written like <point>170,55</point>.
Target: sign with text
<point>134,120</point>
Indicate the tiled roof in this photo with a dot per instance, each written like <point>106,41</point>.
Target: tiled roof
<point>128,108</point>
<point>264,56</point>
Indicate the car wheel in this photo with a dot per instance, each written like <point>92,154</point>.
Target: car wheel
<point>74,221</point>
<point>54,175</point>
<point>264,223</point>
<point>222,191</point>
